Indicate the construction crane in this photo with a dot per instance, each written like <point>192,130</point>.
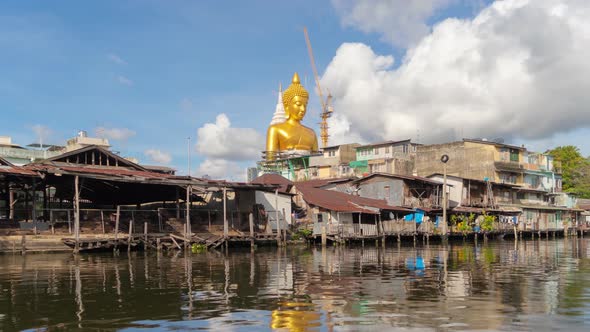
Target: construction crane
<point>327,109</point>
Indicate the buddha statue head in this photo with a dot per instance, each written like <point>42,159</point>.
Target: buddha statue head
<point>295,99</point>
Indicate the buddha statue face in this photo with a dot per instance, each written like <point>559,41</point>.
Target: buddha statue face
<point>296,108</point>
<point>295,100</point>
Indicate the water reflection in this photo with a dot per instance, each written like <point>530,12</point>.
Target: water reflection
<point>539,285</point>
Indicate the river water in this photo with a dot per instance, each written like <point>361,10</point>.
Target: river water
<point>537,285</point>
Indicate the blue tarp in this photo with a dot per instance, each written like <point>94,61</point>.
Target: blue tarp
<point>417,216</point>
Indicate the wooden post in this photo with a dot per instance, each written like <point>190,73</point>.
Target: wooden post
<point>382,231</point>
<point>34,207</point>
<point>102,221</point>
<point>160,220</point>
<point>187,233</point>
<point>360,226</point>
<point>177,203</point>
<point>277,217</point>
<point>45,201</point>
<point>117,218</point>
<point>11,207</point>
<point>130,236</point>
<point>515,233</point>
<point>225,225</point>
<point>23,245</point>
<point>324,236</point>
<point>77,213</point>
<point>209,218</point>
<point>70,222</point>
<point>51,222</point>
<point>285,229</point>
<point>26,204</point>
<point>145,235</point>
<point>251,222</point>
<point>7,198</point>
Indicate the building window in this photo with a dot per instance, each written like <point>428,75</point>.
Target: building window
<point>520,195</point>
<point>332,153</point>
<point>405,148</point>
<point>514,155</point>
<point>386,149</point>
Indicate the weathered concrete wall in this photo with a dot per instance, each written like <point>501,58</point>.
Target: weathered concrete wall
<point>376,188</point>
<point>455,190</point>
<point>475,161</point>
<point>269,201</point>
<point>403,166</point>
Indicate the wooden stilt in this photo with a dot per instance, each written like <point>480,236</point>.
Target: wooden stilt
<point>102,221</point>
<point>117,218</point>
<point>145,235</point>
<point>251,223</point>
<point>225,225</point>
<point>77,214</point>
<point>130,235</point>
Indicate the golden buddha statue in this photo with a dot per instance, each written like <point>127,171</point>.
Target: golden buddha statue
<point>291,135</point>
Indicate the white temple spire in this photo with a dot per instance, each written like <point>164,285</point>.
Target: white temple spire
<point>279,116</point>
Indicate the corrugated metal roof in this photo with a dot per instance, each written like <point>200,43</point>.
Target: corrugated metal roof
<point>341,202</point>
<point>274,179</point>
<point>399,176</point>
<point>17,170</point>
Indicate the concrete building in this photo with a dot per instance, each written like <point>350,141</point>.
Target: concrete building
<point>82,140</point>
<point>496,162</point>
<point>333,162</point>
<point>19,155</point>
<point>396,157</point>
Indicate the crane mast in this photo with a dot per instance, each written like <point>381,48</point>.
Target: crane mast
<point>326,108</point>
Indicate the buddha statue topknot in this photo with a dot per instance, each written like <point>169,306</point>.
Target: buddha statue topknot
<point>291,136</point>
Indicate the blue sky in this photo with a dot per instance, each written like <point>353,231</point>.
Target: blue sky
<point>163,69</point>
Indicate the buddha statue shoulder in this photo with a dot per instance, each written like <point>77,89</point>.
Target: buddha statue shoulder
<point>291,135</point>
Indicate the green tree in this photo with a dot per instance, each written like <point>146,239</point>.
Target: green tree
<point>575,169</point>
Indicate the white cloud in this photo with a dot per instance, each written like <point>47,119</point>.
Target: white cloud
<point>519,69</point>
<point>116,59</point>
<point>117,134</point>
<point>158,156</point>
<point>218,169</point>
<point>42,133</point>
<point>399,22</point>
<point>220,140</point>
<point>124,80</point>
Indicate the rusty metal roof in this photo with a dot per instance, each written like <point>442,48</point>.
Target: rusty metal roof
<point>274,179</point>
<point>399,176</point>
<point>341,202</point>
<point>17,170</point>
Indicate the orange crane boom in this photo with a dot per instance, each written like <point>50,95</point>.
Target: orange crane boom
<point>326,111</point>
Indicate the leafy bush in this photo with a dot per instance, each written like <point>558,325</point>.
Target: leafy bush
<point>487,225</point>
<point>464,227</point>
<point>198,248</point>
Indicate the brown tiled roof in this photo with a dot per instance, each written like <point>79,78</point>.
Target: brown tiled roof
<point>341,202</point>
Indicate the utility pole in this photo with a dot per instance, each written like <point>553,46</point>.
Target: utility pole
<point>444,159</point>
